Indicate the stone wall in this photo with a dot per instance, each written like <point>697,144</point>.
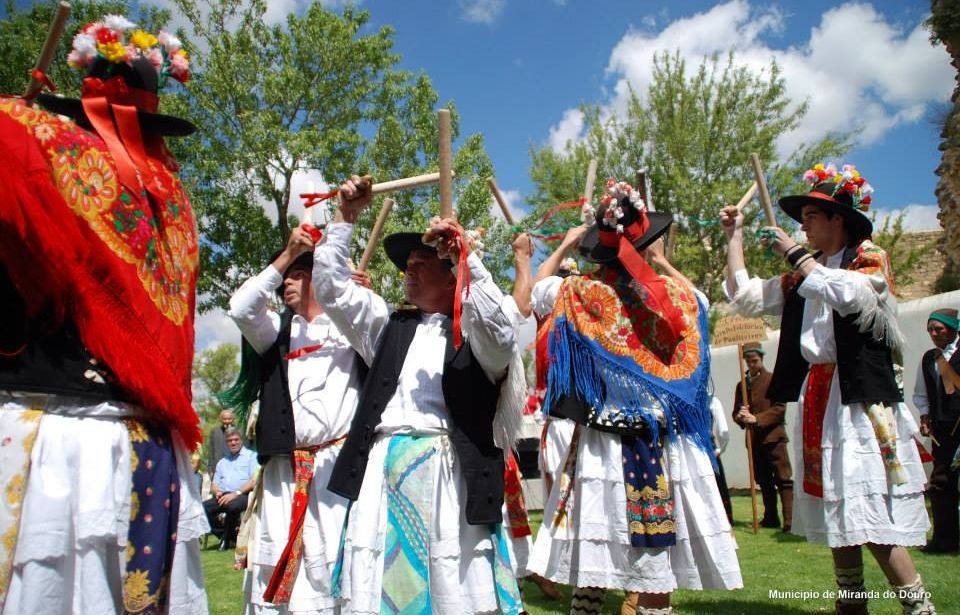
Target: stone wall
<point>925,276</point>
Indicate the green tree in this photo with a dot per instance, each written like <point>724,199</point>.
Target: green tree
<point>23,32</point>
<point>214,370</point>
<point>317,92</point>
<point>693,132</point>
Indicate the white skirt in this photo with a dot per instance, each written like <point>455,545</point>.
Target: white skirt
<point>71,548</point>
<point>859,504</point>
<point>460,555</point>
<point>322,526</point>
<point>592,547</point>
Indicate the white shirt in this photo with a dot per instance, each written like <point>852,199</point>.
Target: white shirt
<point>721,433</point>
<point>827,288</point>
<point>323,383</point>
<point>417,406</point>
<point>920,397</point>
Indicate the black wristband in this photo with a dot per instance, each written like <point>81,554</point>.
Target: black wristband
<point>803,259</point>
<point>794,256</point>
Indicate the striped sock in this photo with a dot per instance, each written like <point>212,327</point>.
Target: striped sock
<point>915,599</point>
<point>642,610</point>
<point>851,592</point>
<point>587,601</point>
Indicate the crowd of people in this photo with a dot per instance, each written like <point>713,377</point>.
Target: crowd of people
<point>380,477</point>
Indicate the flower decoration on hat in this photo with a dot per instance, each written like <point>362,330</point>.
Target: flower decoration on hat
<point>613,199</point>
<point>118,40</point>
<point>847,180</point>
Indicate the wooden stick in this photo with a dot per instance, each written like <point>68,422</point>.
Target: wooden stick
<point>376,233</point>
<point>764,195</point>
<point>500,201</point>
<point>49,48</point>
<point>446,165</point>
<point>747,196</point>
<point>671,240</point>
<point>745,401</point>
<point>408,183</point>
<point>591,180</point>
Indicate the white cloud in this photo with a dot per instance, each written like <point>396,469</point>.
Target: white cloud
<point>918,217</point>
<point>214,328</point>
<point>482,11</point>
<point>856,69</point>
<point>513,199</point>
<point>568,129</point>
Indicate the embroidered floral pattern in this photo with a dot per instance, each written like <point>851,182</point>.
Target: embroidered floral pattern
<point>158,238</point>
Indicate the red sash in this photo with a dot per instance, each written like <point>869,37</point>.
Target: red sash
<point>814,408</point>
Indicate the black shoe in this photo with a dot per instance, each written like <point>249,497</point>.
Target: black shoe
<point>774,523</point>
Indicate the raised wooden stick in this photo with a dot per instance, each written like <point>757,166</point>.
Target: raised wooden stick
<point>591,180</point>
<point>749,194</point>
<point>446,165</point>
<point>644,188</point>
<point>762,186</point>
<point>671,240</point>
<point>375,233</point>
<point>49,48</point>
<point>745,401</point>
<point>500,201</point>
<point>408,183</point>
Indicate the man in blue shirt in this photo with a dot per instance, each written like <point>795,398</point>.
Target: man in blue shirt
<point>233,481</point>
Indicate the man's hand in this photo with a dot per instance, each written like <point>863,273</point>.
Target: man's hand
<point>522,246</point>
<point>362,278</point>
<point>781,241</point>
<point>731,221</point>
<point>447,235</point>
<point>925,425</point>
<point>300,241</point>
<point>744,416</point>
<point>573,237</point>
<point>355,196</point>
<point>225,498</point>
<point>655,252</point>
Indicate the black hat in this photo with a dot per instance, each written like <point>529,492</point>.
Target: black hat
<point>398,247</point>
<point>753,347</point>
<point>136,83</point>
<point>847,194</point>
<point>599,244</point>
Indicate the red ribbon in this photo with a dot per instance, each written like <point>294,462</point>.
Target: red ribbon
<point>642,272</point>
<point>299,352</point>
<point>313,231</point>
<point>463,281</point>
<point>315,198</point>
<point>44,79</point>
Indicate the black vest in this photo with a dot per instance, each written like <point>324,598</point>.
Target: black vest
<point>471,400</point>
<point>943,407</point>
<point>276,431</point>
<point>864,365</point>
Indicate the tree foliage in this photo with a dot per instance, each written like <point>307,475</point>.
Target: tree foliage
<point>214,369</point>
<point>693,133</point>
<point>318,92</point>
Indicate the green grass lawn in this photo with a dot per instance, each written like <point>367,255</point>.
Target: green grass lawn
<point>769,561</point>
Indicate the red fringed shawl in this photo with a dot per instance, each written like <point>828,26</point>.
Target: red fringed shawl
<point>121,265</point>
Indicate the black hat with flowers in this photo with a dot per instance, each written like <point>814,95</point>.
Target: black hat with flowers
<point>125,66</point>
<point>846,193</point>
<point>622,213</point>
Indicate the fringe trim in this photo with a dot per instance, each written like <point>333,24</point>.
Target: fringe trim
<point>508,419</point>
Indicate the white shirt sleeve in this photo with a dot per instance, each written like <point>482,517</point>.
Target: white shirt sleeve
<point>544,295</point>
<point>720,430</point>
<point>488,327</point>
<point>249,309</point>
<point>359,314</point>
<point>847,292</point>
<point>754,296</point>
<point>920,399</point>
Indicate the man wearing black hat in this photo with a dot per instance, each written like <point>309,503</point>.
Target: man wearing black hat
<point>862,475</point>
<point>423,463</point>
<point>771,462</point>
<point>98,269</point>
<point>938,401</point>
<point>634,505</point>
<point>308,382</point>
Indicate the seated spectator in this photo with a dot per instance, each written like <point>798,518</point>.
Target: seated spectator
<point>233,481</point>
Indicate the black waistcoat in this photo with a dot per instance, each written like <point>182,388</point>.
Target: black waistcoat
<point>276,433</point>
<point>864,365</point>
<point>276,430</point>
<point>471,400</point>
<point>943,407</point>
